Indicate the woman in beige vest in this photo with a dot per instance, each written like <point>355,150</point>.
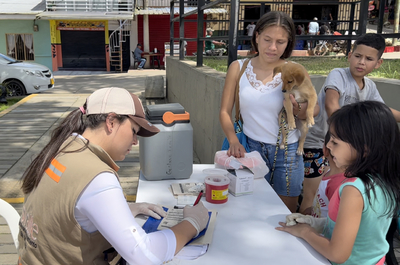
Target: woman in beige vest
<point>75,210</point>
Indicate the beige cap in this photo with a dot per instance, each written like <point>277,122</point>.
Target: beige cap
<point>122,102</point>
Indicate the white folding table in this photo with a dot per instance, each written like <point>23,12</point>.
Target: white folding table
<point>245,226</point>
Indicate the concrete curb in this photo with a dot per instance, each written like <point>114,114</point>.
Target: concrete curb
<point>22,101</point>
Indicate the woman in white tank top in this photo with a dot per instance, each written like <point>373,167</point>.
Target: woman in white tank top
<point>261,99</point>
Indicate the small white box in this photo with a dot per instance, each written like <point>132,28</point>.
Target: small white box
<point>242,182</point>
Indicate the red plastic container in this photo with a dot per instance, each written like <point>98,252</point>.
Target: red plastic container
<point>217,189</point>
<point>389,49</point>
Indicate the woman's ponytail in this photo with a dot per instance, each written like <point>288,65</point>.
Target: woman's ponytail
<point>72,123</point>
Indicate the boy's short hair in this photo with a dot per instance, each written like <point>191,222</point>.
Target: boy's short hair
<point>372,40</point>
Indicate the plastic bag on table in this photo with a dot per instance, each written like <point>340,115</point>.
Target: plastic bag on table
<point>251,160</point>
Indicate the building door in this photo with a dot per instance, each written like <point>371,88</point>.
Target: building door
<point>252,12</point>
<point>308,12</point>
<point>83,50</point>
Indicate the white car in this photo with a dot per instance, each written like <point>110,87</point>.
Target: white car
<point>21,78</point>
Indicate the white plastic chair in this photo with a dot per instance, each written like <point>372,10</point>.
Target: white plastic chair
<point>12,218</point>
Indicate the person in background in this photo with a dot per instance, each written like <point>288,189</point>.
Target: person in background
<point>250,29</point>
<point>324,29</point>
<point>332,24</point>
<point>300,30</point>
<point>210,44</point>
<point>75,211</point>
<point>138,56</point>
<point>185,46</point>
<point>261,100</point>
<point>342,86</point>
<point>365,140</point>
<point>313,29</point>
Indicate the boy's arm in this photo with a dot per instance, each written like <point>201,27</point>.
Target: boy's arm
<point>396,114</point>
<point>331,101</point>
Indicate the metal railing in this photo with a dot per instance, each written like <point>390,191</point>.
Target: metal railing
<point>117,37</point>
<point>90,5</point>
<point>153,3</point>
<point>351,15</point>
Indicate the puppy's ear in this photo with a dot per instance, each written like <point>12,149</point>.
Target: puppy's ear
<point>299,76</point>
<point>277,69</point>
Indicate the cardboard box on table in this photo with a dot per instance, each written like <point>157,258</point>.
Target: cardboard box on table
<point>241,182</point>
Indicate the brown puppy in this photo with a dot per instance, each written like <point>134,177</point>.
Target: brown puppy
<point>296,81</point>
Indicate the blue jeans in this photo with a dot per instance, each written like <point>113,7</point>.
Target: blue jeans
<point>142,62</point>
<point>288,172</point>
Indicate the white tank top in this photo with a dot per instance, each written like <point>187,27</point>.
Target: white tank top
<point>260,106</point>
<point>321,201</point>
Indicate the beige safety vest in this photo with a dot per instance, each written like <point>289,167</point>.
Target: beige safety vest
<point>49,233</point>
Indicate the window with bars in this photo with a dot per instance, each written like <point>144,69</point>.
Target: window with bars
<point>20,46</point>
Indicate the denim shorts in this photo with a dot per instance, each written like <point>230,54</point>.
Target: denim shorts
<point>284,184</point>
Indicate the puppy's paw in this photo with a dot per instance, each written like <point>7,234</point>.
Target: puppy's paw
<point>310,122</point>
<point>300,152</point>
<point>282,146</point>
<point>292,126</point>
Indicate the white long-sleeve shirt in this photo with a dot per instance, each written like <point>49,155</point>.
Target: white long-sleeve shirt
<point>102,207</point>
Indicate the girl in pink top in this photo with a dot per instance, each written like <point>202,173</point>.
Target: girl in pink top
<point>365,141</point>
<point>332,178</point>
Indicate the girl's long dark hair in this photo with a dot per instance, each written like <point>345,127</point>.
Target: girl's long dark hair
<point>74,122</point>
<point>371,129</point>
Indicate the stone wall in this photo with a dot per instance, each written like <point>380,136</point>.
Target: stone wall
<point>199,90</point>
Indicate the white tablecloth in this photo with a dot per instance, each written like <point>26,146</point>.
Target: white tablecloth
<point>245,227</point>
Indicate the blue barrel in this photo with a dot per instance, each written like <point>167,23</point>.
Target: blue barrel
<point>299,45</point>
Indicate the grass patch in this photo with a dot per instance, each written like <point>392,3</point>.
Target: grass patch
<point>10,102</point>
<point>317,65</point>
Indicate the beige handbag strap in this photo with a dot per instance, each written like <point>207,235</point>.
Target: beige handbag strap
<point>237,106</point>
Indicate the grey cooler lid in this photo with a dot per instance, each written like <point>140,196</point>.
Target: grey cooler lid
<point>155,112</point>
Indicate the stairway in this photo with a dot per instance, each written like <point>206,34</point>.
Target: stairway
<point>117,37</point>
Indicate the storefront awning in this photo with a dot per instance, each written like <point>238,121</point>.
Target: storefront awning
<point>166,11</point>
<point>85,15</point>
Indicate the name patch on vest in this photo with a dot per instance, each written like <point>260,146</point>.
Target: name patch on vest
<point>55,170</point>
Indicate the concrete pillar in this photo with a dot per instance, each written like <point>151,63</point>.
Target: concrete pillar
<point>146,42</point>
<point>133,38</point>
